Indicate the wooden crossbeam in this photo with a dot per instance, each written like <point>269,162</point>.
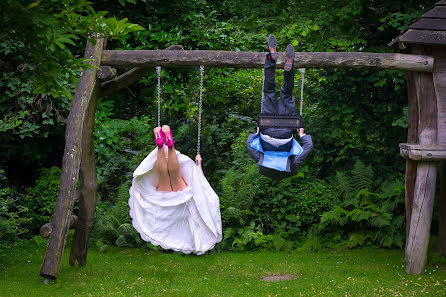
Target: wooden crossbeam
<point>223,59</point>
<point>423,152</point>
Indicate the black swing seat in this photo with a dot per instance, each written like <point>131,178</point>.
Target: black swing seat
<point>265,120</point>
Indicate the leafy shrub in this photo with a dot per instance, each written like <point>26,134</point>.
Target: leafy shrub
<point>12,222</point>
<point>113,224</point>
<point>41,198</point>
<point>255,209</point>
<point>362,215</point>
<point>119,146</point>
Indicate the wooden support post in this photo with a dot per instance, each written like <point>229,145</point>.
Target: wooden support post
<point>412,137</point>
<point>440,89</point>
<point>71,163</point>
<point>88,182</point>
<point>420,224</point>
<point>442,207</point>
<point>424,192</point>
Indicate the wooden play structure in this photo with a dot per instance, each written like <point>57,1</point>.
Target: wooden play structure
<point>423,58</point>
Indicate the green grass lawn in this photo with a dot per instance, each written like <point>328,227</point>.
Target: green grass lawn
<point>138,272</point>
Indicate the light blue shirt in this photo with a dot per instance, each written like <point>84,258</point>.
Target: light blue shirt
<point>275,159</point>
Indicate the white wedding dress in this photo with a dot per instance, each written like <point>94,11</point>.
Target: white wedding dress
<point>186,221</point>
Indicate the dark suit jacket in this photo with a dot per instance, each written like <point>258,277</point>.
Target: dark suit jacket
<point>293,162</point>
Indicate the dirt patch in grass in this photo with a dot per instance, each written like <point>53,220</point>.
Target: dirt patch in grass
<point>278,277</point>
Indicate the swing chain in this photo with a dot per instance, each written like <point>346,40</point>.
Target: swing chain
<point>302,70</point>
<point>263,86</point>
<point>199,108</point>
<point>158,72</point>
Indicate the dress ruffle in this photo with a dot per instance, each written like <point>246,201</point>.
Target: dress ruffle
<point>188,221</point>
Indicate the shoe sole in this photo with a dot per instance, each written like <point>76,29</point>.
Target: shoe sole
<point>159,137</point>
<point>272,43</point>
<point>167,131</point>
<point>289,53</point>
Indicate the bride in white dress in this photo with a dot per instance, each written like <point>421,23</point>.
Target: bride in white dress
<point>171,202</point>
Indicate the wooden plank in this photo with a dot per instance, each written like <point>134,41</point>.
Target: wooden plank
<point>440,52</point>
<point>187,58</point>
<point>440,89</point>
<point>422,155</point>
<point>105,73</point>
<point>409,186</point>
<point>279,121</point>
<point>130,77</point>
<point>427,109</point>
<point>418,152</point>
<point>442,210</point>
<point>71,163</point>
<point>412,138</point>
<point>423,37</point>
<point>45,230</point>
<point>430,24</point>
<point>124,80</point>
<point>412,114</point>
<point>420,223</point>
<point>439,77</point>
<point>423,147</point>
<point>88,183</point>
<point>424,191</point>
<point>436,12</point>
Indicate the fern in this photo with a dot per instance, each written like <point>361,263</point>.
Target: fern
<point>362,176</point>
<point>114,226</point>
<point>361,215</point>
<point>349,184</point>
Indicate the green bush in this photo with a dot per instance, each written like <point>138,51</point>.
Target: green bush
<point>120,145</point>
<point>113,224</point>
<point>41,198</point>
<point>255,208</point>
<point>12,222</point>
<point>366,212</point>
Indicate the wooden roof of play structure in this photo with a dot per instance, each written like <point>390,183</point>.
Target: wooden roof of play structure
<point>430,28</point>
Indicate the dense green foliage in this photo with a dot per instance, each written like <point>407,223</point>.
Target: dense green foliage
<point>12,221</point>
<point>361,214</point>
<point>352,115</point>
<point>119,146</point>
<point>40,199</point>
<point>260,212</point>
<point>114,225</point>
<point>41,55</point>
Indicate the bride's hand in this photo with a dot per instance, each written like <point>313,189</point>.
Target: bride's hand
<point>198,159</point>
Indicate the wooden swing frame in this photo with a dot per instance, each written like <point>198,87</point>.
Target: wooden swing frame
<point>423,61</point>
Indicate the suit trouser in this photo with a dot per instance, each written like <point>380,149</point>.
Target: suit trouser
<point>285,106</point>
